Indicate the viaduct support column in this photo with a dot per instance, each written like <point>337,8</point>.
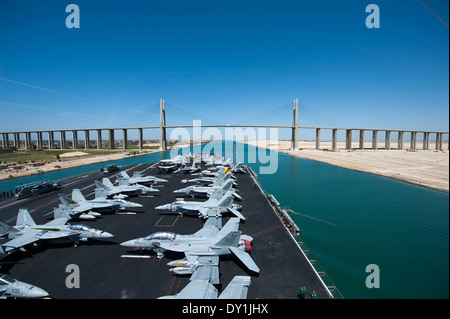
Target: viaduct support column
<point>426,140</point>
<point>295,126</point>
<point>413,140</point>
<point>317,138</point>
<point>334,140</point>
<point>28,141</point>
<point>16,138</point>
<point>361,139</point>
<point>141,139</point>
<point>375,139</point>
<point>162,124</point>
<point>40,142</point>
<point>62,140</point>
<point>125,139</point>
<point>400,140</point>
<point>111,139</point>
<point>387,140</point>
<point>74,140</point>
<point>51,143</point>
<point>348,139</point>
<point>99,139</point>
<point>441,141</point>
<point>86,139</point>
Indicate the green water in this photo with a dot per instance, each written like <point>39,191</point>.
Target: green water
<point>367,219</point>
<point>400,227</point>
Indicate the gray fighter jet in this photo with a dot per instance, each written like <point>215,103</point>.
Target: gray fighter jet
<point>205,191</point>
<point>202,249</point>
<point>13,288</point>
<point>26,232</point>
<point>137,178</point>
<point>203,289</point>
<point>87,209</point>
<point>188,169</point>
<point>122,191</point>
<point>215,205</point>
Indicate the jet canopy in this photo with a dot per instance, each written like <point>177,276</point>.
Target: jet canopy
<point>5,280</point>
<point>163,235</point>
<point>79,227</point>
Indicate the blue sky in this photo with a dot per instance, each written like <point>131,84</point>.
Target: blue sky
<point>238,62</point>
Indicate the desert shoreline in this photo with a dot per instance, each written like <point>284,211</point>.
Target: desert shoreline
<point>428,169</point>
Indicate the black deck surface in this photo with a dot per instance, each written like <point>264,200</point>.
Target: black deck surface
<point>105,274</point>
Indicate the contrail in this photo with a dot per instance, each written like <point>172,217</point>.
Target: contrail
<point>434,14</point>
<point>49,90</point>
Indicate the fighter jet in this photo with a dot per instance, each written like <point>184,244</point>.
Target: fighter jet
<point>215,205</point>
<point>87,209</point>
<point>13,288</point>
<point>139,179</point>
<point>217,179</point>
<point>26,232</point>
<point>123,190</point>
<point>205,191</point>
<point>202,248</point>
<point>188,169</point>
<point>203,289</point>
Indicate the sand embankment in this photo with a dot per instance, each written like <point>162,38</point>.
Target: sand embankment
<point>425,168</point>
<point>68,160</point>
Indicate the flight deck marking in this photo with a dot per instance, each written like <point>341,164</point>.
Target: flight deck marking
<point>265,231</point>
<point>157,223</point>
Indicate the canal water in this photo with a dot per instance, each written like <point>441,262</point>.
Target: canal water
<point>349,220</point>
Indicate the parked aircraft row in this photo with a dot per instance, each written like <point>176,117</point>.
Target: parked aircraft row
<point>26,233</point>
<point>203,248</point>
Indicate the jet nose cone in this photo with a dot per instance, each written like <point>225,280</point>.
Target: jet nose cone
<point>106,235</point>
<point>129,243</point>
<point>162,207</point>
<point>37,292</point>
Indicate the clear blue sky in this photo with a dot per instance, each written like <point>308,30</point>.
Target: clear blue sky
<point>223,62</point>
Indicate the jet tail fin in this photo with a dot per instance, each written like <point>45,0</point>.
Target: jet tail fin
<point>107,182</point>
<point>230,239</point>
<point>5,228</point>
<point>77,196</point>
<point>61,212</point>
<point>245,258</point>
<point>65,200</point>
<point>237,288</point>
<point>24,218</point>
<point>100,185</point>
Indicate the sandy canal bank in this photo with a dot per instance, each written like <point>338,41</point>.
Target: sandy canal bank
<point>425,168</point>
<point>71,159</point>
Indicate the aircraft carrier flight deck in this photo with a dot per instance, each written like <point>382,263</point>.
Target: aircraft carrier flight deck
<point>111,271</point>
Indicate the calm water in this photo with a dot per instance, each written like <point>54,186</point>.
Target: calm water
<point>370,219</point>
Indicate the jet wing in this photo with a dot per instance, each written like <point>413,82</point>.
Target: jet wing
<point>18,242</point>
<point>60,221</point>
<point>237,288</point>
<point>208,269</point>
<point>209,212</point>
<point>173,246</point>
<point>236,213</point>
<point>210,228</point>
<point>245,258</point>
<point>198,289</point>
